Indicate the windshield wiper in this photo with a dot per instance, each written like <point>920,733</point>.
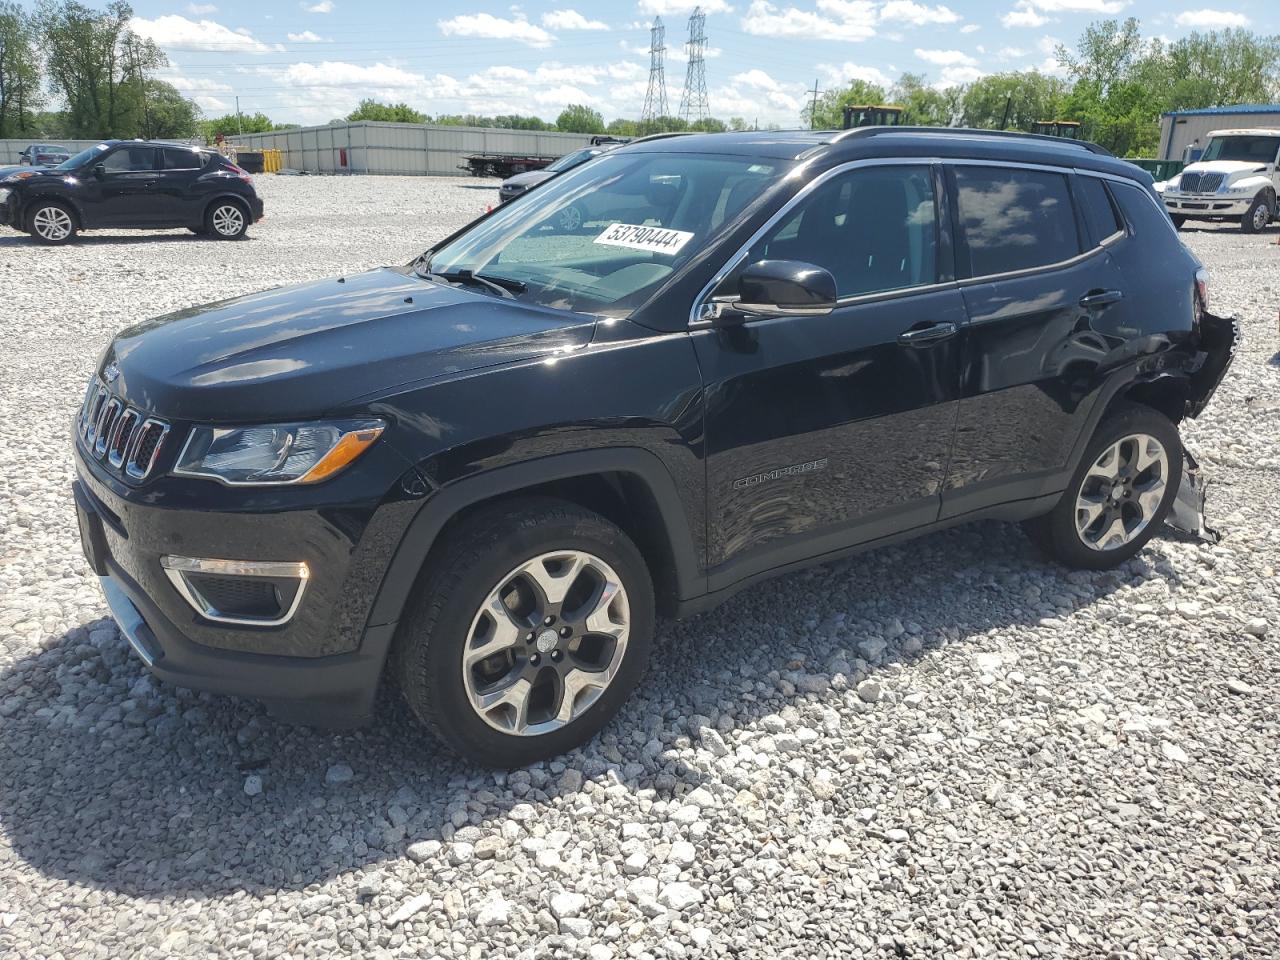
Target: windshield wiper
<point>503,286</point>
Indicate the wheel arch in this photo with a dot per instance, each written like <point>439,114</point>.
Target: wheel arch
<point>629,486</point>
<point>29,205</point>
<point>219,198</point>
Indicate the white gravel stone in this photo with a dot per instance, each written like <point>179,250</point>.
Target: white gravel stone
<point>252,785</point>
<point>567,904</point>
<point>680,896</point>
<point>337,774</point>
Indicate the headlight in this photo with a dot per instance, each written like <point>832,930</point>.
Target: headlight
<point>277,453</point>
<point>20,175</point>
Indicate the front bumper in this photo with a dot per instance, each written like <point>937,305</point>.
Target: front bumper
<point>1206,205</point>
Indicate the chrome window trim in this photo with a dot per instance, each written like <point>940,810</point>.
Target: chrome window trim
<point>695,321</point>
<point>176,568</point>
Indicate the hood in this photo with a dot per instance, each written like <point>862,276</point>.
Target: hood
<point>530,178</point>
<point>301,351</point>
<point>1223,166</point>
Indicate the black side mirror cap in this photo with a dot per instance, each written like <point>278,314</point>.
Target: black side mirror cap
<point>785,288</point>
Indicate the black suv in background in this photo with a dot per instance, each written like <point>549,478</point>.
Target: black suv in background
<point>131,184</point>
<point>485,473</point>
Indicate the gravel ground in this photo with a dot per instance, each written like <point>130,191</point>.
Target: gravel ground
<point>946,748</point>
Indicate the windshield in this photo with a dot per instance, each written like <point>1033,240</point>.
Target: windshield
<point>1244,148</point>
<point>602,237</point>
<point>571,160</point>
<point>81,158</point>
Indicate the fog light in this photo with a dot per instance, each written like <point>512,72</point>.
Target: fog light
<point>245,592</point>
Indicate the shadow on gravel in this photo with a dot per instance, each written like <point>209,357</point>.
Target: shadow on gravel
<point>90,240</point>
<point>111,781</point>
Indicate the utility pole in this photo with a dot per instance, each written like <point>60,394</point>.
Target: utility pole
<point>239,123</point>
<point>655,98</point>
<point>693,102</point>
<point>813,105</point>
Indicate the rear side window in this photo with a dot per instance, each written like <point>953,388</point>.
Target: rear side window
<point>1014,219</point>
<point>1098,208</point>
<point>1148,220</point>
<point>183,160</point>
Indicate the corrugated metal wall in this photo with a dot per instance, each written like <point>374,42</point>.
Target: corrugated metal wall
<point>402,148</point>
<point>1186,129</point>
<point>9,149</point>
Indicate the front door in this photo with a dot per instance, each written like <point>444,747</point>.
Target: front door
<point>823,432</point>
<point>125,188</point>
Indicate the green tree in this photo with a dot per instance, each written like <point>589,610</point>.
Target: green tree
<point>577,118</point>
<point>1029,96</point>
<point>230,124</point>
<point>515,121</point>
<point>828,113</point>
<point>645,128</point>
<point>709,125</point>
<point>621,127</point>
<point>20,74</point>
<point>924,106</point>
<point>386,113</point>
<point>168,114</point>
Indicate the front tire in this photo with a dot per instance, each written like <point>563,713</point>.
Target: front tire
<point>52,223</point>
<point>1257,217</point>
<point>227,220</point>
<point>1119,494</point>
<point>530,625</point>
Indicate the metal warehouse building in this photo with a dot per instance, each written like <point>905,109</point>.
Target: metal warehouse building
<point>1182,128</point>
<point>402,148</point>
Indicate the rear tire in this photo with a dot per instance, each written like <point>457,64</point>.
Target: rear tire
<point>227,220</point>
<point>52,223</point>
<point>1258,216</point>
<point>1119,494</point>
<point>559,669</point>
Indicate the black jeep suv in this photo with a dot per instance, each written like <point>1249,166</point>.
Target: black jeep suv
<point>483,474</point>
<point>131,184</point>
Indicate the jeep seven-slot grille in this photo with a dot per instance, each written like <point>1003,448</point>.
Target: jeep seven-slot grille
<point>1200,182</point>
<point>117,434</point>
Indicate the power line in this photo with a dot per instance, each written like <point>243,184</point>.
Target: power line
<point>693,102</point>
<point>655,98</point>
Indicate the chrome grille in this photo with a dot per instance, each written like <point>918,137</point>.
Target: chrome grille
<point>1200,182</point>
<point>120,435</point>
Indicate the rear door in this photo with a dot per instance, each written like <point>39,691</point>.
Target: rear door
<point>125,188</point>
<point>1040,297</point>
<point>175,188</point>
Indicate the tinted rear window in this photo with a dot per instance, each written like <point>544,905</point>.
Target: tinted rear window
<point>182,160</point>
<point>1148,220</point>
<point>1015,219</point>
<point>1098,208</point>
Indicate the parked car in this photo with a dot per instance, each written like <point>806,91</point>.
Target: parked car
<point>484,474</point>
<point>1236,178</point>
<point>131,184</point>
<point>512,187</point>
<point>43,155</point>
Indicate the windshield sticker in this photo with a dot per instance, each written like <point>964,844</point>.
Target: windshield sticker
<point>653,239</point>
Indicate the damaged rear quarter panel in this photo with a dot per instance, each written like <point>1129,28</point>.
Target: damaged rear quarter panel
<point>1219,337</point>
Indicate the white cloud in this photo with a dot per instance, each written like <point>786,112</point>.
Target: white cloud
<point>970,28</point>
<point>905,11</point>
<point>954,76</point>
<point>324,6</point>
<point>174,32</point>
<point>1023,15</point>
<point>306,36</point>
<point>571,20</point>
<point>1011,53</point>
<point>666,8</point>
<point>1211,19</point>
<point>201,9</point>
<point>840,75</point>
<point>1081,6</point>
<point>946,58</point>
<point>756,78</point>
<point>848,20</point>
<point>487,26</point>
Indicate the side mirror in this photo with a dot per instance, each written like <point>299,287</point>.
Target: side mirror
<point>785,288</point>
<point>99,170</point>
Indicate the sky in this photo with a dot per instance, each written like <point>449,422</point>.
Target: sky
<point>310,61</point>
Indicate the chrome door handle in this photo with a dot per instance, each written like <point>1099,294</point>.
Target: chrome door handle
<point>923,335</point>
<point>1100,299</point>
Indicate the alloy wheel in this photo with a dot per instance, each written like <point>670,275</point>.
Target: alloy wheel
<point>546,643</point>
<point>228,220</point>
<point>1122,492</point>
<point>52,223</point>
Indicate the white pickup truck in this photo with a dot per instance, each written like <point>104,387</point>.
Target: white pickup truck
<point>1237,177</point>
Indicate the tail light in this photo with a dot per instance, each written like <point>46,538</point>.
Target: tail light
<point>1202,293</point>
<point>239,172</point>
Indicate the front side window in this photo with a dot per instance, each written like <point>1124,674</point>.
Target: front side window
<point>1246,149</point>
<point>83,157</point>
<point>1014,219</point>
<point>602,237</point>
<point>873,229</point>
<point>130,160</point>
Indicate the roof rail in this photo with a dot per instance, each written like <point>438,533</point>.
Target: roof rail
<point>973,132</point>
<point>664,136</point>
